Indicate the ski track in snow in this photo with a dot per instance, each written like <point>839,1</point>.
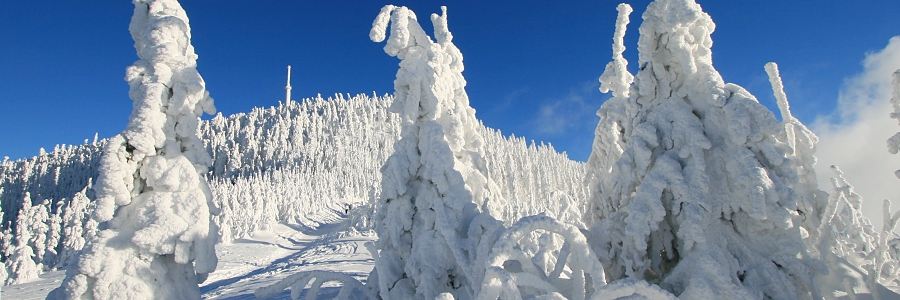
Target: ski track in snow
<point>251,263</point>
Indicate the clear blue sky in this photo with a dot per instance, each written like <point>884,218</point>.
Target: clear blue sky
<point>531,66</point>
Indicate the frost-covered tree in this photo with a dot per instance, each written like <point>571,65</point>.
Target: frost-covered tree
<point>20,262</point>
<point>74,232</point>
<point>160,240</point>
<point>54,236</point>
<point>855,253</point>
<point>39,228</point>
<point>693,189</point>
<point>431,219</point>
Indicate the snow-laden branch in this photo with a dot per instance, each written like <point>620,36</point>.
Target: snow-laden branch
<point>510,271</point>
<point>616,76</point>
<point>778,90</point>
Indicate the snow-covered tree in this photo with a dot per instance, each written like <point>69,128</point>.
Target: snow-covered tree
<point>75,231</point>
<point>431,219</point>
<point>20,262</point>
<point>693,189</point>
<point>160,240</point>
<point>54,236</point>
<point>39,229</point>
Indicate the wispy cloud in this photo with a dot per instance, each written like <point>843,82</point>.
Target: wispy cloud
<point>854,136</point>
<point>571,111</point>
<point>509,99</point>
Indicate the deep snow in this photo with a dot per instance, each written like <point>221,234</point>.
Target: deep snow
<point>268,256</point>
<point>324,242</point>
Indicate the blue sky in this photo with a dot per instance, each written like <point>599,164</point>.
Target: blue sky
<point>531,66</point>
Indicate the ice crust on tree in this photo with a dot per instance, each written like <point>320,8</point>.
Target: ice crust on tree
<point>431,217</point>
<point>160,238</point>
<point>693,185</point>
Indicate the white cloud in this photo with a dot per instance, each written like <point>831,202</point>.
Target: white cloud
<point>854,136</point>
<point>570,112</point>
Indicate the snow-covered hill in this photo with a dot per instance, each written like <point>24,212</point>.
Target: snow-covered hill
<point>276,164</point>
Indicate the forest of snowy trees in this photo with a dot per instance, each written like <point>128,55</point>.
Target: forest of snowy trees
<point>296,181</point>
<point>693,190</point>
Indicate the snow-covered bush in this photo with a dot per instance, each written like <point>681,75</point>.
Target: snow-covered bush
<point>558,264</point>
<point>693,189</point>
<point>160,240</point>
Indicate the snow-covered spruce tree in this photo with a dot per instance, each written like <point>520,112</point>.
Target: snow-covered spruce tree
<point>434,232</point>
<point>693,186</point>
<point>20,260</point>
<point>75,228</point>
<point>54,236</point>
<point>160,241</point>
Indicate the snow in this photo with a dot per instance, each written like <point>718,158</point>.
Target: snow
<point>262,260</point>
<point>694,190</point>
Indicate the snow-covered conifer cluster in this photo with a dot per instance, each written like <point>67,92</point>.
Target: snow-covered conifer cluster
<point>303,141</point>
<point>53,176</point>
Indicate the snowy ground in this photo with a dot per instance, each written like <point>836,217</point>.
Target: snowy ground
<point>319,243</point>
<point>269,256</point>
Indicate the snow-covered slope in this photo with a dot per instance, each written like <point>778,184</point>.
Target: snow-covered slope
<point>275,164</point>
<point>262,259</point>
